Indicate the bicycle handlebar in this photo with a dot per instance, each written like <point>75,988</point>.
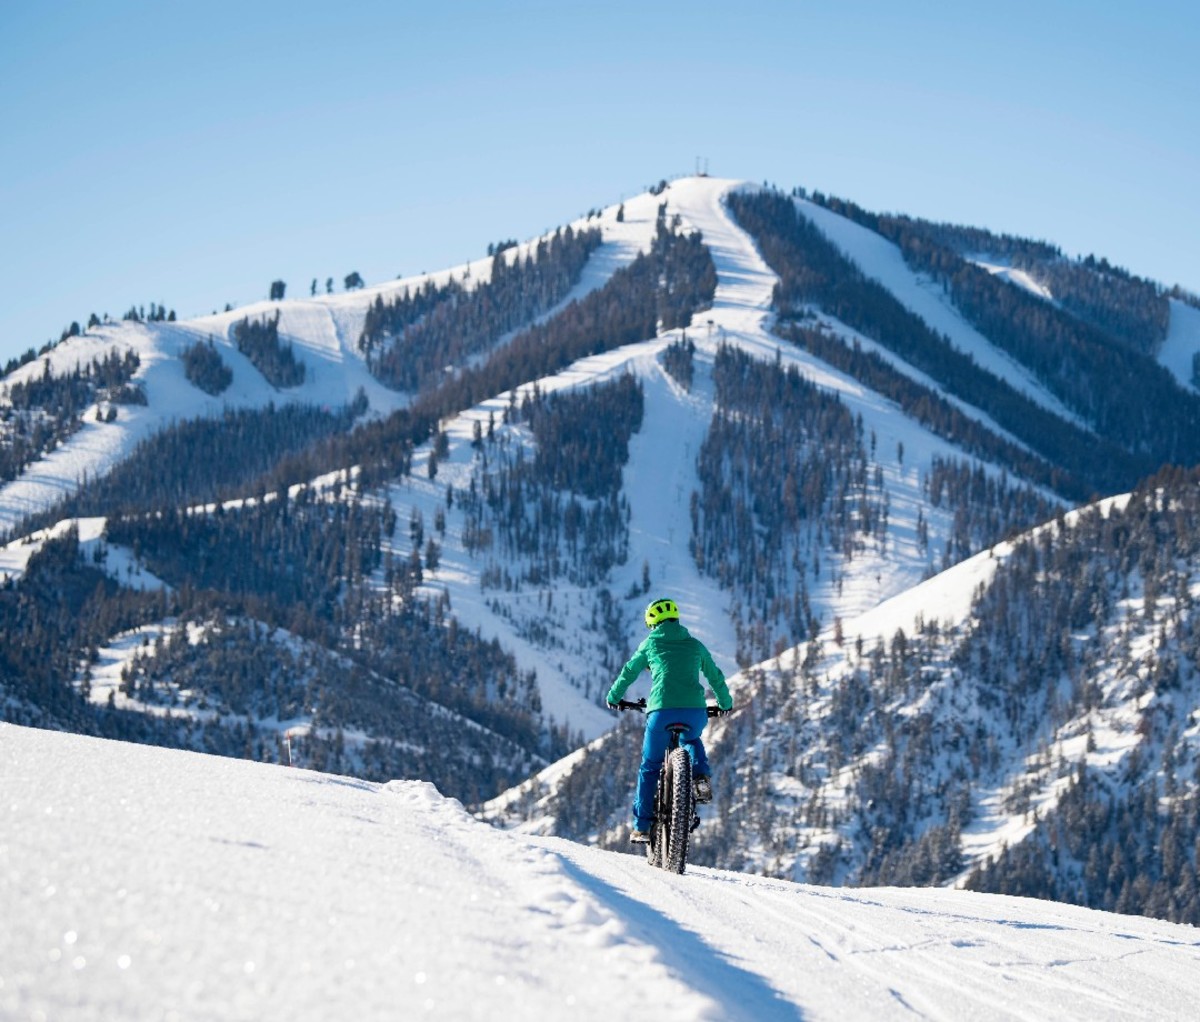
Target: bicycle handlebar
<point>640,707</point>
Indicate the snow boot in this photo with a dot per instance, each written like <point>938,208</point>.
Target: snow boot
<point>703,789</point>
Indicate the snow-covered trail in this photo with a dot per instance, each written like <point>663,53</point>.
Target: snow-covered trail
<point>137,882</point>
<point>894,953</point>
<point>659,481</point>
<point>742,302</point>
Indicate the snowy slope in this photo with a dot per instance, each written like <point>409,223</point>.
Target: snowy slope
<point>1019,278</point>
<point>883,261</point>
<point>947,599</point>
<point>1182,343</point>
<point>334,377</point>
<point>324,331</point>
<point>140,883</point>
<point>660,475</point>
<point>118,561</point>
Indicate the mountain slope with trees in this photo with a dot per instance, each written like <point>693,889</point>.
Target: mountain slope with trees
<point>408,531</point>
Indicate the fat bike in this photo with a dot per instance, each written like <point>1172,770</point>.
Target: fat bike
<point>675,815</point>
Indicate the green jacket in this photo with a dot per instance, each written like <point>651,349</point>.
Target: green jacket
<point>675,661</point>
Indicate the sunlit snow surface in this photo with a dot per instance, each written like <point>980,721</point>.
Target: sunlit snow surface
<point>139,883</point>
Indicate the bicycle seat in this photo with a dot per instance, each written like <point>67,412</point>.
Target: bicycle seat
<point>678,728</point>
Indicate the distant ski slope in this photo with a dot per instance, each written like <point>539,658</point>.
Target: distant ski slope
<point>660,476</point>
<point>883,261</point>
<point>143,883</point>
<point>323,329</point>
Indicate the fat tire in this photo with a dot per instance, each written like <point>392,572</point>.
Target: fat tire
<point>677,772</point>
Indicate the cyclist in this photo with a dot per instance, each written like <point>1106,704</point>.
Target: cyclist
<point>675,660</point>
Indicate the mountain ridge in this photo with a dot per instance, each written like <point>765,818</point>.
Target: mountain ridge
<point>456,583</point>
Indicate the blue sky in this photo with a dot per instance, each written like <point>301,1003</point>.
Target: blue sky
<point>189,154</point>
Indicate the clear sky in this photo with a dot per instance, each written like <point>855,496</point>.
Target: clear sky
<point>190,153</point>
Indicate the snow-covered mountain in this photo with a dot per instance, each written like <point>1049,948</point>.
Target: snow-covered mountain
<point>142,883</point>
<point>407,532</point>
<point>1025,721</point>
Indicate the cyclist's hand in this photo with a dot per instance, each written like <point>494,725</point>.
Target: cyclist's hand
<point>612,705</point>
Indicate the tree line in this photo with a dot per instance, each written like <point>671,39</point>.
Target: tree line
<point>200,461</point>
<point>1131,309</point>
<point>790,493</point>
<point>812,270</point>
<point>45,410</point>
<point>298,553</point>
<point>666,285</point>
<point>561,513</point>
<point>625,310</point>
<point>259,341</point>
<point>784,477</point>
<point>1095,352</point>
<point>942,417</point>
<point>410,340</point>
<point>310,567</point>
<point>205,369</point>
<point>679,360</point>
<point>987,508</point>
<point>214,666</point>
<point>221,680</point>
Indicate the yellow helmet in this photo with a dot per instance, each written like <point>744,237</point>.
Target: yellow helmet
<point>661,610</point>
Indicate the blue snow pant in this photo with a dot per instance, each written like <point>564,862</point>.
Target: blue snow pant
<point>654,751</point>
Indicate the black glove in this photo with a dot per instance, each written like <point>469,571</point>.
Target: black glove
<point>612,705</point>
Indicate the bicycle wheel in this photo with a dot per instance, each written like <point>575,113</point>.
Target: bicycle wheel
<point>678,807</point>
